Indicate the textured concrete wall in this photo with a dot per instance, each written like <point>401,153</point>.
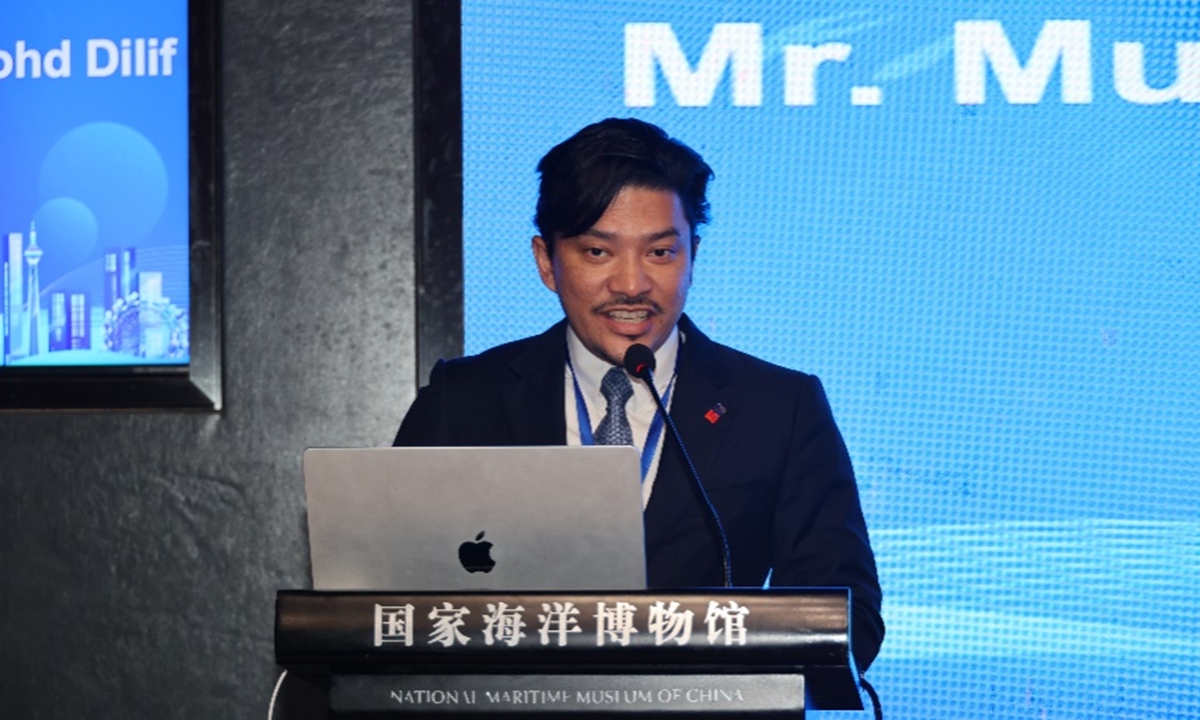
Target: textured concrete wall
<point>140,553</point>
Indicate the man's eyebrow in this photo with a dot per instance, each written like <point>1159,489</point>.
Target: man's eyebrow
<point>660,235</point>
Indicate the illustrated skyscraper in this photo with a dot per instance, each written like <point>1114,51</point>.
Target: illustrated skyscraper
<point>129,281</point>
<point>14,288</point>
<point>79,322</point>
<point>33,255</point>
<point>155,339</point>
<point>59,338</point>
<point>70,321</point>
<point>121,283</point>
<point>112,278</point>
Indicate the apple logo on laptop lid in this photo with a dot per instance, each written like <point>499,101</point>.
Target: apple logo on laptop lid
<point>476,556</point>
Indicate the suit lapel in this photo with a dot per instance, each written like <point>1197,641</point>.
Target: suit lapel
<point>533,401</point>
<point>701,377</point>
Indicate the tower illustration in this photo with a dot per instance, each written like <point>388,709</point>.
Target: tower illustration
<point>33,255</point>
<point>14,298</point>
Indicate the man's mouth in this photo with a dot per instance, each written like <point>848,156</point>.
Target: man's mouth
<point>629,316</point>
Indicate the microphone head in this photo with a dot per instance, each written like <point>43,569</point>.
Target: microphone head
<point>639,361</point>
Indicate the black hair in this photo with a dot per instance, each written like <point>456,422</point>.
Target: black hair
<point>581,175</point>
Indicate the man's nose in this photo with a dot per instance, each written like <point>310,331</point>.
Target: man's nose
<point>630,277</point>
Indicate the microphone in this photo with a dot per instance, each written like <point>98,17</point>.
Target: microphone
<point>640,363</point>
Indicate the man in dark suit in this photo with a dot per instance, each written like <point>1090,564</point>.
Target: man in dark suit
<point>617,214</point>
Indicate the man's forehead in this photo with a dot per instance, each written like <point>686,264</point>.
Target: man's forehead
<point>644,211</point>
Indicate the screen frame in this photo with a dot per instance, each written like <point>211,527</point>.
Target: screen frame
<point>196,386</point>
<point>438,191</point>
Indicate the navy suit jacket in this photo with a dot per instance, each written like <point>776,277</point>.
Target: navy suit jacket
<point>774,464</point>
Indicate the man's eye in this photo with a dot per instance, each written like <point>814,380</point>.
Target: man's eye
<point>663,252</point>
<point>594,252</point>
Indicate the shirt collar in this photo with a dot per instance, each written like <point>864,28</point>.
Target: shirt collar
<point>590,369</point>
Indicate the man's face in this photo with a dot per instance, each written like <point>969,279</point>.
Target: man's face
<point>625,280</point>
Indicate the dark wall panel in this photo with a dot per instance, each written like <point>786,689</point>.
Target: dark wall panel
<point>141,553</point>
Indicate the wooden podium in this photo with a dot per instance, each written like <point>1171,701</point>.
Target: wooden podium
<point>695,654</point>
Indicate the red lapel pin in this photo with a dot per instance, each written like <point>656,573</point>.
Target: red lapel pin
<point>714,413</point>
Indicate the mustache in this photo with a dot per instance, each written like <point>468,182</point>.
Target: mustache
<point>626,302</point>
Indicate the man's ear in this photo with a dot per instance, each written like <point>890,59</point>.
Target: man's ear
<point>545,263</point>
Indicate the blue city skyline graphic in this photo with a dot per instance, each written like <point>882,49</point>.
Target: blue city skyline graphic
<point>94,225</point>
<point>128,321</point>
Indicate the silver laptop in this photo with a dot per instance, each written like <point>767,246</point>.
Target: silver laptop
<point>510,518</point>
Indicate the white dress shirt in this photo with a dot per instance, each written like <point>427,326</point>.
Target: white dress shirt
<point>640,408</point>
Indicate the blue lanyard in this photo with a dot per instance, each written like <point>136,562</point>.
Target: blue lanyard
<point>652,438</point>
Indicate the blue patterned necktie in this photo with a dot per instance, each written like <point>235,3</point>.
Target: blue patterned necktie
<point>614,428</point>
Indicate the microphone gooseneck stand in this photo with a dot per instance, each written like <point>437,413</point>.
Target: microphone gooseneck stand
<point>640,363</point>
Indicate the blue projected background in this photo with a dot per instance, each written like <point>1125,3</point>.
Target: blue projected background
<point>985,241</point>
<point>94,185</point>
